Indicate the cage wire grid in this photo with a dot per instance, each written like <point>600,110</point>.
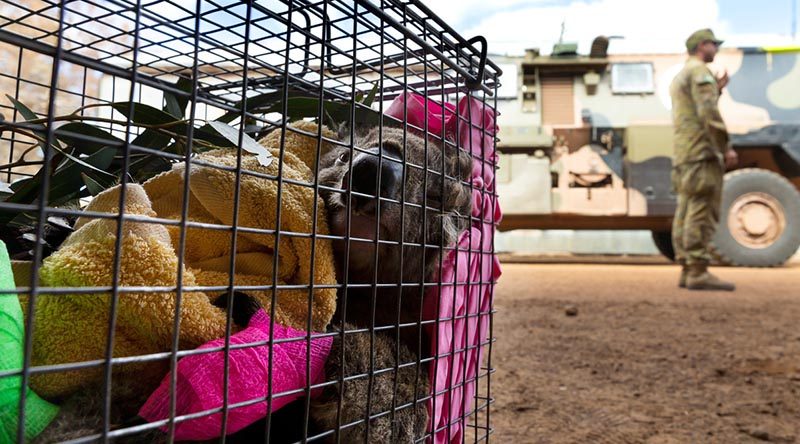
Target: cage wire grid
<point>246,63</point>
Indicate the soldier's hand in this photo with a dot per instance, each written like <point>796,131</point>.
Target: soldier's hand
<point>722,81</point>
<point>731,158</point>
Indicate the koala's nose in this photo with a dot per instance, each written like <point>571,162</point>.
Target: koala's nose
<point>365,178</point>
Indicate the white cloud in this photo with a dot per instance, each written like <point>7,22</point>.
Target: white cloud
<point>510,26</point>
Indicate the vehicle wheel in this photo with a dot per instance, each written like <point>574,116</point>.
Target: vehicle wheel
<point>759,219</point>
<point>663,241</point>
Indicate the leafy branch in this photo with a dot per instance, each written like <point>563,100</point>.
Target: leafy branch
<point>87,159</point>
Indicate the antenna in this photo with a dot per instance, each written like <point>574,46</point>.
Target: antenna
<point>794,20</point>
<point>561,37</point>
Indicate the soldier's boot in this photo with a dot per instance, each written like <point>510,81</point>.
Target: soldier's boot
<point>684,274</point>
<point>700,279</point>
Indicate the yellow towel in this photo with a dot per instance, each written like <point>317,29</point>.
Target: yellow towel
<point>74,327</point>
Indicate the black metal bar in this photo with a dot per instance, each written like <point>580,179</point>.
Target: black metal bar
<point>41,220</point>
<point>181,250</point>
<point>235,230</point>
<point>117,262</point>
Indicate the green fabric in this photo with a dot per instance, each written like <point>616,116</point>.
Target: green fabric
<point>38,412</point>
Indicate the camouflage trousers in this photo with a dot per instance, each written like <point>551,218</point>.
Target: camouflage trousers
<point>699,189</point>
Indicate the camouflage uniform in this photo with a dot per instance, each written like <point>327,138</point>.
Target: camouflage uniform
<point>698,168</point>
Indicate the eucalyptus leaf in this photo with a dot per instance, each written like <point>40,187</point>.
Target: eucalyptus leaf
<point>71,133</point>
<point>29,115</point>
<point>248,144</point>
<point>26,112</point>
<point>144,114</point>
<point>82,163</point>
<point>304,107</point>
<point>147,115</point>
<point>174,104</point>
<point>371,96</point>
<point>208,134</point>
<point>261,100</point>
<point>92,185</point>
<point>148,167</point>
<point>151,138</point>
<point>263,103</point>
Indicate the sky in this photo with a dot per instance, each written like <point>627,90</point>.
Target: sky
<point>511,26</point>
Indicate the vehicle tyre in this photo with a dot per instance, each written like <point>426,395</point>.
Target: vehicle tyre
<point>663,241</point>
<point>759,219</point>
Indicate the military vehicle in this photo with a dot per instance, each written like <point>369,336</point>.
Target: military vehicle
<point>586,143</point>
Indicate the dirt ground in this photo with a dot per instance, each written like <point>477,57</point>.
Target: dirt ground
<point>642,361</point>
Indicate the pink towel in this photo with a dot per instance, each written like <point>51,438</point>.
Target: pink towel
<point>468,273</point>
<point>438,116</point>
<point>199,382</point>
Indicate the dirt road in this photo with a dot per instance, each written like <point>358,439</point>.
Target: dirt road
<point>642,361</point>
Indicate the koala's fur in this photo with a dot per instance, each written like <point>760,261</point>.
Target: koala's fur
<point>410,416</point>
<point>423,232</point>
<point>448,210</point>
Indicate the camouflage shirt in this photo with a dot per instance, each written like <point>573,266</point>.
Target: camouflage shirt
<point>699,130</point>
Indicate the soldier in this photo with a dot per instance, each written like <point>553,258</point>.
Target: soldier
<point>702,151</point>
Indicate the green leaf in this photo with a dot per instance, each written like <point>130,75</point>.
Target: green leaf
<point>151,138</point>
<point>29,115</point>
<point>71,135</point>
<point>371,96</point>
<point>92,185</point>
<point>17,184</point>
<point>303,107</point>
<point>248,144</point>
<point>24,110</point>
<point>150,166</point>
<point>176,105</point>
<point>82,163</point>
<point>5,189</point>
<point>255,102</point>
<point>66,183</point>
<point>208,134</point>
<point>143,114</point>
<point>262,103</point>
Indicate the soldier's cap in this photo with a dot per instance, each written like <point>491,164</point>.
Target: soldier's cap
<point>701,36</point>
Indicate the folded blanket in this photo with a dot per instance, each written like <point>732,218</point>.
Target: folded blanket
<point>74,327</point>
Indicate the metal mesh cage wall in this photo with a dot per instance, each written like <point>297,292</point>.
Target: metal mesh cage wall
<point>245,221</point>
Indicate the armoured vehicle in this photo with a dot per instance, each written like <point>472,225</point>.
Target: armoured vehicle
<point>586,143</point>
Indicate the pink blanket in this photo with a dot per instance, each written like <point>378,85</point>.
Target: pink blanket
<point>199,380</point>
<point>468,273</point>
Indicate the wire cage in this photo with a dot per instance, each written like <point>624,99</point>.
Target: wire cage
<point>245,221</point>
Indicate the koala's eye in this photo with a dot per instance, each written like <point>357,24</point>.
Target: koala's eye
<point>344,157</point>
